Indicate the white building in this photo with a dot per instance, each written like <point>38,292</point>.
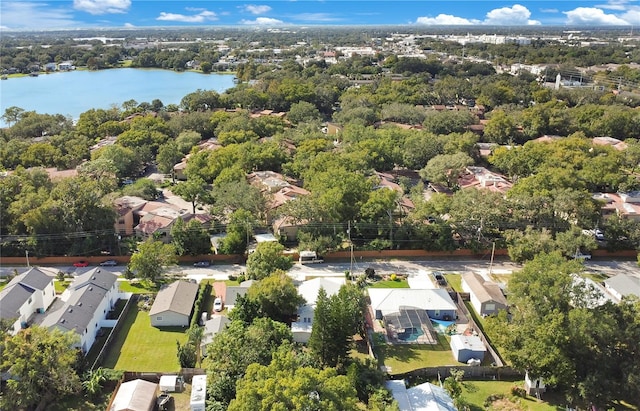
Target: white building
<point>198,392</point>
<point>26,294</point>
<point>301,329</point>
<point>86,304</point>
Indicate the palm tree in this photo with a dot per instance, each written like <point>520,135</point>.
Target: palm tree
<point>93,381</point>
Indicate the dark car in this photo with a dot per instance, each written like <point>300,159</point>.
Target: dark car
<point>201,264</point>
<point>81,263</point>
<point>109,263</point>
<point>439,278</point>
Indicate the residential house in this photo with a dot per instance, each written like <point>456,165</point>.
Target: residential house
<point>86,303</point>
<point>233,292</point>
<point>127,208</point>
<point>179,169</point>
<point>467,347</point>
<point>66,66</point>
<point>435,302</point>
<point>625,205</point>
<point>156,221</point>
<point>388,181</point>
<point>136,395</point>
<point>212,327</point>
<point>483,179</point>
<point>173,304</point>
<point>623,285</point>
<point>486,296</point>
<point>50,66</point>
<point>309,290</point>
<point>26,294</point>
<point>423,397</point>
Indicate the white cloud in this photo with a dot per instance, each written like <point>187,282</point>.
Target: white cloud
<point>620,5</point>
<point>194,18</point>
<point>516,15</point>
<point>446,20</point>
<point>256,9</point>
<point>262,21</point>
<point>129,25</point>
<point>592,16</point>
<point>632,16</point>
<point>549,11</point>
<point>33,15</point>
<point>102,6</point>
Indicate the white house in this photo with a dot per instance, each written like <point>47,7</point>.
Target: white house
<point>173,304</point>
<point>86,304</point>
<point>623,285</point>
<point>486,296</point>
<point>423,397</point>
<point>436,302</point>
<point>301,329</point>
<point>25,295</point>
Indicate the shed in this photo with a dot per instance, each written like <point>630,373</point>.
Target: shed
<point>533,386</point>
<point>136,395</point>
<point>171,383</point>
<point>486,296</point>
<point>466,347</point>
<point>198,392</point>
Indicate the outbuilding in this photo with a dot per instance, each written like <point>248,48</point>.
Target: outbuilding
<point>173,305</point>
<point>466,347</point>
<point>136,395</point>
<point>198,392</point>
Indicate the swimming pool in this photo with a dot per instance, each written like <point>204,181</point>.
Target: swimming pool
<point>410,334</point>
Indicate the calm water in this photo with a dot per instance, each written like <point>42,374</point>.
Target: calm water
<point>72,93</point>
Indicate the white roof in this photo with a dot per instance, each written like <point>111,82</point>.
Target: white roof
<point>389,300</point>
<point>261,238</point>
<point>309,289</point>
<point>467,342</point>
<point>423,397</point>
<point>624,284</point>
<point>136,395</point>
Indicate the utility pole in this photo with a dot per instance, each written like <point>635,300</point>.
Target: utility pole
<point>26,253</point>
<point>351,248</point>
<point>493,250</point>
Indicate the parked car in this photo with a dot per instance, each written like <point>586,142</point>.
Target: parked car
<point>580,256</point>
<point>81,263</point>
<point>599,235</point>
<point>217,304</point>
<point>109,263</point>
<point>201,264</point>
<point>439,278</point>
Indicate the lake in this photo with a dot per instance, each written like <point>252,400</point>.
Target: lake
<point>72,93</point>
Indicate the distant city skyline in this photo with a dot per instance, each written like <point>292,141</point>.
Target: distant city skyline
<point>70,14</point>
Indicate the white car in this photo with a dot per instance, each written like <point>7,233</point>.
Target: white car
<point>580,256</point>
<point>217,304</point>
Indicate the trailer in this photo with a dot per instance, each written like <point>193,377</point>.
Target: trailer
<point>198,392</point>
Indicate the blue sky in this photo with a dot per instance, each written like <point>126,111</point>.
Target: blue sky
<point>68,14</point>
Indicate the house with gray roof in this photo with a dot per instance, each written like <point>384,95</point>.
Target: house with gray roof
<point>26,294</point>
<point>86,303</point>
<point>173,304</point>
<point>623,285</point>
<point>232,293</point>
<point>309,290</point>
<point>435,302</point>
<point>486,296</point>
<point>212,327</point>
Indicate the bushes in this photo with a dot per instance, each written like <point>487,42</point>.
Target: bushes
<point>203,293</point>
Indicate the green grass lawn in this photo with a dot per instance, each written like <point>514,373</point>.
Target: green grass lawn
<point>476,392</point>
<point>138,287</point>
<point>407,357</point>
<point>141,347</point>
<point>391,284</point>
<point>455,281</point>
<point>60,286</point>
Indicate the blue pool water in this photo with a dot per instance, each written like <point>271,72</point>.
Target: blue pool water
<point>410,334</point>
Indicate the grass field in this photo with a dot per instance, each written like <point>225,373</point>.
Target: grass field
<point>391,284</point>
<point>402,358</point>
<point>138,287</point>
<point>141,347</point>
<point>455,281</point>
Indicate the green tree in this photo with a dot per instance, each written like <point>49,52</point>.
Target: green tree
<point>42,367</point>
<point>446,168</point>
<point>194,190</point>
<point>336,320</point>
<point>303,112</point>
<point>190,238</point>
<point>277,296</point>
<point>151,257</point>
<point>285,384</point>
<point>524,246</point>
<point>266,259</point>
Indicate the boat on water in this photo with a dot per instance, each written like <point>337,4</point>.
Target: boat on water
<point>33,74</point>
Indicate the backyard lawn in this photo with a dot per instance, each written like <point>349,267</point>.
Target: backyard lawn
<point>141,347</point>
<point>402,358</point>
<point>476,392</point>
<point>455,281</point>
